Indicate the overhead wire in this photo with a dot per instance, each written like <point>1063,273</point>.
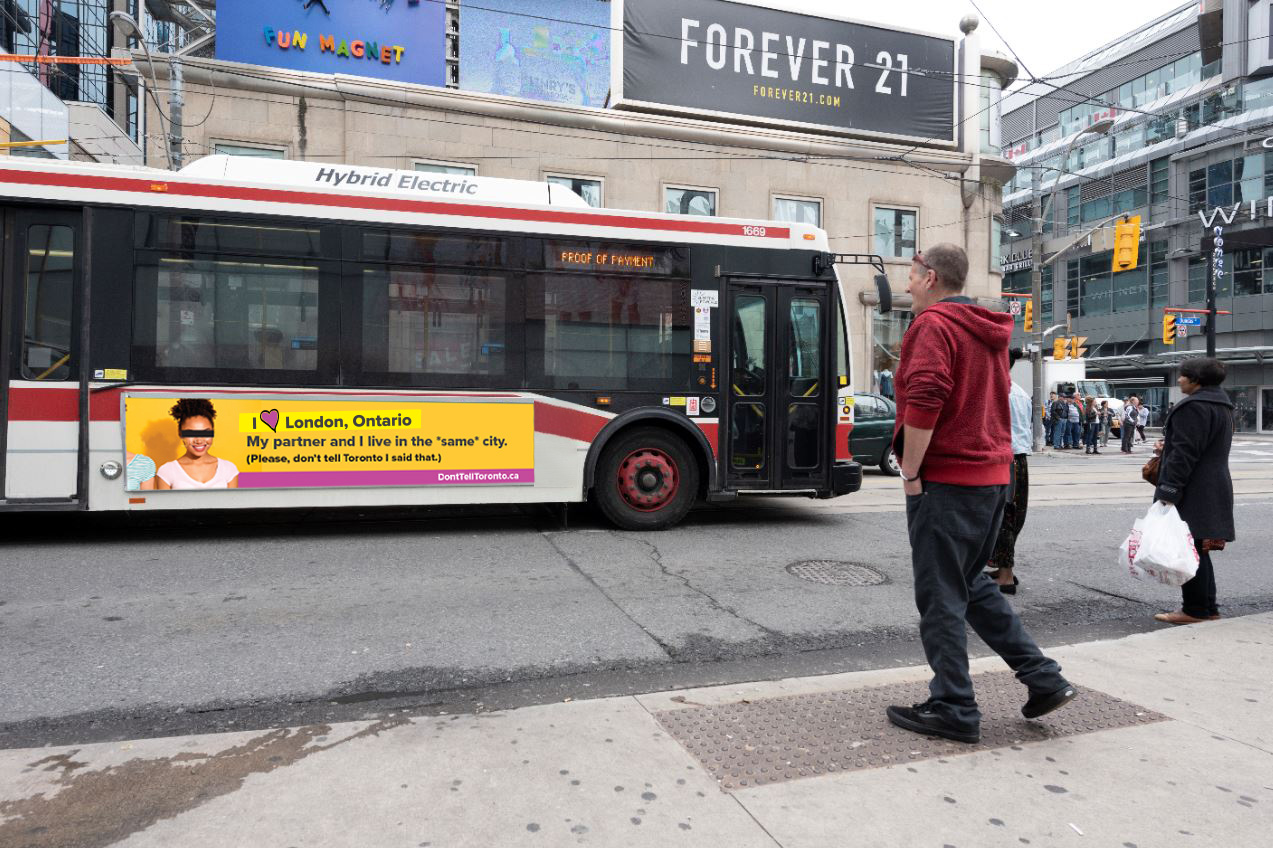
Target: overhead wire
<point>829,161</point>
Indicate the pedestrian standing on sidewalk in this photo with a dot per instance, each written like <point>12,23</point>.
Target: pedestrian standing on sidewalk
<point>1128,428</point>
<point>1142,418</point>
<point>1048,418</point>
<point>1091,425</point>
<point>1194,475</point>
<point>951,438</point>
<point>1074,429</point>
<point>1107,420</point>
<point>1060,421</point>
<point>1003,560</point>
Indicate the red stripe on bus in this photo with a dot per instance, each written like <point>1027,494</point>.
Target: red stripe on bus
<point>151,187</point>
<point>711,430</point>
<point>44,405</point>
<point>577,424</point>
<point>842,431</point>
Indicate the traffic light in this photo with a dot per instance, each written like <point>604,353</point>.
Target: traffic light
<point>1058,348</point>
<point>1076,347</point>
<point>1168,328</point>
<point>1126,243</point>
<point>1029,317</point>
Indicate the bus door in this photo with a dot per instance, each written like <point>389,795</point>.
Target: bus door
<point>780,400</point>
<point>39,350</point>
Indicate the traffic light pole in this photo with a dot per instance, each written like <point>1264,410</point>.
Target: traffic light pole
<point>1036,294</point>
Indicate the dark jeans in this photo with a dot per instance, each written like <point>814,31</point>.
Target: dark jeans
<point>1128,433</point>
<point>1089,437</point>
<point>1059,429</point>
<point>952,532</point>
<point>1199,594</point>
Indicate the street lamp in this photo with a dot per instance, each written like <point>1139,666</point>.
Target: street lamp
<point>1037,215</point>
<point>123,23</point>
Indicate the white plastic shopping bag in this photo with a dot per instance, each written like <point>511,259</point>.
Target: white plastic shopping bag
<point>1161,547</point>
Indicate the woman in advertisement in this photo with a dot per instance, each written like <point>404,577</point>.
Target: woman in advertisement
<point>140,471</point>
<point>197,468</point>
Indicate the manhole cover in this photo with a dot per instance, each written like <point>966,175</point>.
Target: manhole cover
<point>833,573</point>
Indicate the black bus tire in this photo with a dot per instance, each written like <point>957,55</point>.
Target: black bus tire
<point>646,479</point>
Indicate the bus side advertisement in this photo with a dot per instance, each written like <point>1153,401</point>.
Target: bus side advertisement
<point>278,444</point>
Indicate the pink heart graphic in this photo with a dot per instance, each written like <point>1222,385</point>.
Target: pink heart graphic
<point>270,417</point>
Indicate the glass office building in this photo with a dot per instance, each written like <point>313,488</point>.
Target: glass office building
<point>72,28</point>
<point>1190,147</point>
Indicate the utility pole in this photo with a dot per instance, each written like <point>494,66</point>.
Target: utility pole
<point>175,103</point>
<point>1036,294</point>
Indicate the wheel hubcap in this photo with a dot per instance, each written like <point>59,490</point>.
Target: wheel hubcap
<point>648,479</point>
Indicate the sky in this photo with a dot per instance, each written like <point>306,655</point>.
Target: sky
<point>1044,35</point>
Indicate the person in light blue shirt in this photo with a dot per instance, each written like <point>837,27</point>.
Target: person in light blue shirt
<point>1021,412</point>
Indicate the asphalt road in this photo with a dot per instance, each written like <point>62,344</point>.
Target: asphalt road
<point>114,629</point>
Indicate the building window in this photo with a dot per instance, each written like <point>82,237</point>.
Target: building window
<point>1159,275</point>
<point>234,149</point>
<point>1197,279</point>
<point>1131,288</point>
<point>895,232</point>
<point>1072,287</point>
<point>1159,181</point>
<point>446,168</point>
<point>1247,271</point>
<point>1230,181</point>
<point>887,350</point>
<point>589,188</point>
<point>1095,284</point>
<point>799,210</point>
<point>684,200</point>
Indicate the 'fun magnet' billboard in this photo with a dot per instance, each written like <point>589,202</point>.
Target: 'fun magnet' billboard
<point>400,40</point>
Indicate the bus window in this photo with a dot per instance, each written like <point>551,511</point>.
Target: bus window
<point>748,367</point>
<point>422,321</point>
<point>610,332</point>
<point>221,235</point>
<point>458,249</point>
<point>50,265</point>
<point>231,314</point>
<point>805,366</point>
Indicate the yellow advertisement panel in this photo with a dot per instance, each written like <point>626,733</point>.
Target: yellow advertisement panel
<point>217,443</point>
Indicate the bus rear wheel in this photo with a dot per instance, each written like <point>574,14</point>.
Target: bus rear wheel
<point>646,479</point>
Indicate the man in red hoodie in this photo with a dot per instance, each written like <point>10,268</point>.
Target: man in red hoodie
<point>953,439</point>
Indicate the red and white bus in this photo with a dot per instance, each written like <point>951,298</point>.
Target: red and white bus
<point>378,337</point>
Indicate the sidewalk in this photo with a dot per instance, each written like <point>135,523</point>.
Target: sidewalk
<point>1185,757</point>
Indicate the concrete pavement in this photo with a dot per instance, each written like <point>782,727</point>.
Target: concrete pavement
<point>608,772</point>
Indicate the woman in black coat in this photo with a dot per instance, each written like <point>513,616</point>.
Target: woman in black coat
<point>1194,475</point>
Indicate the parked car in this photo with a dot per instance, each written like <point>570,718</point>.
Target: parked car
<point>871,441</point>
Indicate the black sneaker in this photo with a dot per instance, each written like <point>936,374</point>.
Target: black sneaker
<point>921,719</point>
<point>1041,704</point>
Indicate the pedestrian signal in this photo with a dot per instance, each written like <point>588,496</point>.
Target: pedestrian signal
<point>1076,347</point>
<point>1126,243</point>
<point>1029,316</point>
<point>1058,348</point>
<point>1168,328</point>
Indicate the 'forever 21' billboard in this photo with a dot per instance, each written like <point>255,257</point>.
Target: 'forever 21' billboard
<point>735,60</point>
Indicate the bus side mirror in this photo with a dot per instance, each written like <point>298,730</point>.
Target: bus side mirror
<point>885,293</point>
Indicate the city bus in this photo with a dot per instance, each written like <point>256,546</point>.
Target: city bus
<point>250,334</point>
